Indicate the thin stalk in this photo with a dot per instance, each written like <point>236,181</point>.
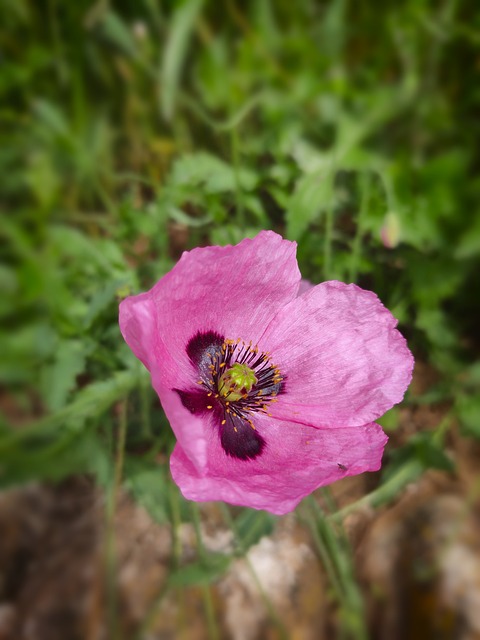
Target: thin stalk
<point>213,630</point>
<point>274,617</point>
<point>110,550</point>
<point>153,610</point>
<point>338,565</point>
<point>327,246</point>
<point>212,626</point>
<point>407,474</point>
<point>383,494</point>
<point>442,429</point>
<point>365,181</point>
<point>322,550</point>
<point>239,200</point>
<point>145,398</point>
<point>332,508</point>
<point>328,239</point>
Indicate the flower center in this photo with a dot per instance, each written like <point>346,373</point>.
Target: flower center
<point>241,378</point>
<point>236,382</point>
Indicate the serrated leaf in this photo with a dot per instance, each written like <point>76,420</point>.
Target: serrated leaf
<point>92,401</point>
<point>103,298</point>
<point>60,378</point>
<point>53,460</point>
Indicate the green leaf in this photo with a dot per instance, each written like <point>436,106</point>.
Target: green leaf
<point>70,453</point>
<point>116,31</point>
<point>92,401</point>
<point>251,525</point>
<point>60,378</point>
<point>179,216</point>
<point>147,483</point>
<point>469,244</point>
<point>182,24</point>
<point>212,173</point>
<point>389,421</point>
<point>52,117</point>
<point>312,196</point>
<point>423,448</point>
<point>103,298</point>
<point>203,572</point>
<point>468,411</point>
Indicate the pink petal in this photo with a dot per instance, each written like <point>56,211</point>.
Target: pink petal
<point>138,327</point>
<point>345,362</point>
<point>297,460</point>
<point>304,286</point>
<point>192,432</point>
<point>235,291</point>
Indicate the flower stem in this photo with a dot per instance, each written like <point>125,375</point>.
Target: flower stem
<point>239,201</point>
<point>213,631</point>
<point>334,552</point>
<point>357,240</point>
<point>153,610</point>
<point>383,494</point>
<point>327,246</point>
<point>110,552</point>
<point>274,617</point>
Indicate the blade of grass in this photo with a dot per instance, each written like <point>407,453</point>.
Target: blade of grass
<point>110,507</point>
<point>213,630</point>
<point>274,617</point>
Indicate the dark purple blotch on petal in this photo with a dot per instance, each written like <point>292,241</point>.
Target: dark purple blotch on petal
<point>239,439</point>
<point>204,346</point>
<point>197,401</point>
<point>237,436</point>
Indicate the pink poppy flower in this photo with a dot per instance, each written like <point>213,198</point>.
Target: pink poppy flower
<point>271,387</point>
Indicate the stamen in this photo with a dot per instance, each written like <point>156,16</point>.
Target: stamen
<point>239,381</point>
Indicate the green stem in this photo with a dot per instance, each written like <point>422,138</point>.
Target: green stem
<point>240,205</point>
<point>145,399</point>
<point>357,241</point>
<point>153,610</point>
<point>385,493</point>
<point>213,630</point>
<point>110,551</point>
<point>327,245</point>
<point>334,551</point>
<point>274,617</point>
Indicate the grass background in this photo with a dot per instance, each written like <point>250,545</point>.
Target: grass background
<point>130,131</point>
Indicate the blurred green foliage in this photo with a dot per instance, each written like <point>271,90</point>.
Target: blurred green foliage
<point>132,130</point>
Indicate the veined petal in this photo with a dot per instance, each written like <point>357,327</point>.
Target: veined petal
<point>296,461</point>
<point>192,431</point>
<point>138,326</point>
<point>345,361</point>
<point>234,291</point>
